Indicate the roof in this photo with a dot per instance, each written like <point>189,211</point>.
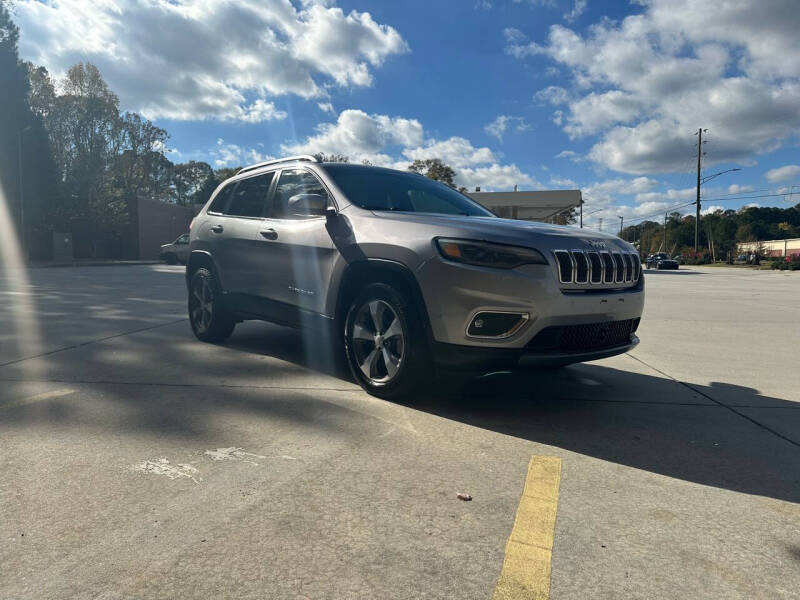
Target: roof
<point>538,206</point>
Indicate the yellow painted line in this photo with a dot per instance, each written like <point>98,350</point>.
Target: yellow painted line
<point>526,567</point>
<point>37,398</point>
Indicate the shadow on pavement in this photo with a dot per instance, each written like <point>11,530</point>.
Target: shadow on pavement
<point>162,382</point>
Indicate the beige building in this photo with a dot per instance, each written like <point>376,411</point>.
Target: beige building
<point>772,247</point>
<point>529,206</point>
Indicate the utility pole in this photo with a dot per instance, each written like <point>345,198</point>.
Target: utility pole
<point>600,228</point>
<point>697,207</point>
<point>665,231</point>
<point>581,206</point>
<point>621,220</point>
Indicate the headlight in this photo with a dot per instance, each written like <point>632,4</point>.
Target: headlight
<point>486,254</point>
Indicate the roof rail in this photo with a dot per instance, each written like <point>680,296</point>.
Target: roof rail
<point>306,157</point>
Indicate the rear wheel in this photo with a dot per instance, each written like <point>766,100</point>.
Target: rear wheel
<point>385,343</point>
<point>171,259</point>
<point>210,320</point>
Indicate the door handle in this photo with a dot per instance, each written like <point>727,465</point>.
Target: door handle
<point>217,228</point>
<point>269,234</point>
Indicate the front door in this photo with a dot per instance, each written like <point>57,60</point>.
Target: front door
<point>298,254</point>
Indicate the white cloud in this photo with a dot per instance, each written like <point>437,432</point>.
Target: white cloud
<point>201,59</point>
<point>553,94</point>
<point>571,155</point>
<point>361,137</point>
<point>645,83</point>
<point>457,152</point>
<point>673,195</point>
<point>503,123</point>
<point>259,111</point>
<point>396,142</point>
<point>563,183</point>
<point>710,210</point>
<point>735,188</point>
<point>232,155</point>
<point>577,10</point>
<point>494,177</point>
<point>326,107</point>
<point>783,173</point>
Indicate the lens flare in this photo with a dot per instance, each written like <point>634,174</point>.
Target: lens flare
<point>23,338</point>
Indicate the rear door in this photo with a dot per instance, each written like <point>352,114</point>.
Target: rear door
<point>235,233</point>
<point>297,255</point>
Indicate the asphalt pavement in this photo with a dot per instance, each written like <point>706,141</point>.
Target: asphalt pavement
<point>138,462</point>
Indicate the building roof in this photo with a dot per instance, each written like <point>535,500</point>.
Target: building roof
<point>537,206</point>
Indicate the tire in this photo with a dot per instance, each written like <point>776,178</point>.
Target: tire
<point>171,259</point>
<point>385,343</point>
<point>210,320</point>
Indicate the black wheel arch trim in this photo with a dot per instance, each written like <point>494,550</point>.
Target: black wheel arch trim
<point>201,258</point>
<point>397,268</point>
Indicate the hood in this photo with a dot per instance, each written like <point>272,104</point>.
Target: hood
<point>511,231</point>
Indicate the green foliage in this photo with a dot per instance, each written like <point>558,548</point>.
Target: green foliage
<point>27,174</point>
<point>434,168</point>
<point>334,158</point>
<point>721,230</point>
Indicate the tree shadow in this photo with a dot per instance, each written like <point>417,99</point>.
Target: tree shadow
<point>635,419</point>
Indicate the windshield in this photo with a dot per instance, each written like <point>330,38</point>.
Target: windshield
<point>385,189</point>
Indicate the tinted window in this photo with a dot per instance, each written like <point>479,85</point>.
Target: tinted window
<point>250,196</point>
<point>221,201</point>
<point>291,183</point>
<point>184,239</point>
<point>385,189</point>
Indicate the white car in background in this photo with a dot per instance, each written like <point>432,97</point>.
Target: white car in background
<point>176,252</point>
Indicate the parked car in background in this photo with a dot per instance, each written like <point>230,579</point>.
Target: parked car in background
<point>661,260</point>
<point>176,252</point>
<point>404,272</point>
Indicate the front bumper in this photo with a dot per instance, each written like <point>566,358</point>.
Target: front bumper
<point>454,294</point>
<point>453,356</point>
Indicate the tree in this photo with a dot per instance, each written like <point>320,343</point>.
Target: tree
<point>566,217</point>
<point>27,176</point>
<point>335,158</point>
<point>434,168</point>
<point>190,180</point>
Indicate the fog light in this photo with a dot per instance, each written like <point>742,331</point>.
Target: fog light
<point>496,324</point>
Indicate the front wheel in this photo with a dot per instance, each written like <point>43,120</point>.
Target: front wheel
<point>385,342</point>
<point>210,320</point>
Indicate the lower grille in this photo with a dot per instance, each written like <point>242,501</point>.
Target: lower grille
<point>584,338</point>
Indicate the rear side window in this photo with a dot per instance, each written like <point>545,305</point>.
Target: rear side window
<point>220,203</point>
<point>250,196</point>
<point>291,183</point>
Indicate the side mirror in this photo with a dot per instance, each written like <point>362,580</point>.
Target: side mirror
<point>307,204</point>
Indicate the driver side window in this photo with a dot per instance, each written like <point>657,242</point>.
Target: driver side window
<point>291,183</point>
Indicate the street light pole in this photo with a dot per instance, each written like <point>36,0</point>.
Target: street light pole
<point>621,221</point>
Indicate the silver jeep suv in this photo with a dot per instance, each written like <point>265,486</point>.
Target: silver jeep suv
<point>403,273</point>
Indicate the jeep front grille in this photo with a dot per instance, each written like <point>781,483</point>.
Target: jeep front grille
<point>581,267</point>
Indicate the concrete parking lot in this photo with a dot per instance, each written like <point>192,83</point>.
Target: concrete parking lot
<point>139,463</point>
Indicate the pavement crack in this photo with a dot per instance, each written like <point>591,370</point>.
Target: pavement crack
<point>722,404</point>
<point>87,343</point>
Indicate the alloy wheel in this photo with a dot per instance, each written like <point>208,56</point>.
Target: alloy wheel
<point>378,341</point>
<point>202,309</point>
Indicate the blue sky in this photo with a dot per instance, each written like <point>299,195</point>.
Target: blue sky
<point>545,94</point>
